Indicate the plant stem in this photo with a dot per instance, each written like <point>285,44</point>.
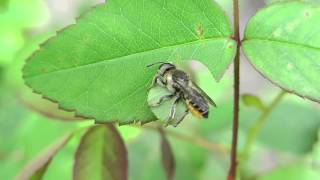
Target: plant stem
<point>256,127</point>
<point>213,147</point>
<point>233,167</point>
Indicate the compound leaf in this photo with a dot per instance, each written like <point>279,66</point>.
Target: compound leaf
<point>98,66</point>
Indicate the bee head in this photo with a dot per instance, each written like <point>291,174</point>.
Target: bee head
<point>164,67</point>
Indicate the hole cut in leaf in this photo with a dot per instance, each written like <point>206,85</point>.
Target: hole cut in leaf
<point>194,69</point>
<point>98,66</point>
<point>282,42</point>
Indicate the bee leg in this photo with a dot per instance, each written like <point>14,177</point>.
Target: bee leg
<point>180,120</point>
<point>174,109</point>
<point>162,99</point>
<point>157,80</point>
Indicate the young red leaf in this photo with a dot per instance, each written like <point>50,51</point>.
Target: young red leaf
<point>101,155</point>
<point>167,156</point>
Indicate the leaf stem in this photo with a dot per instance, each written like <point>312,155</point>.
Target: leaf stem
<point>233,158</point>
<point>256,127</point>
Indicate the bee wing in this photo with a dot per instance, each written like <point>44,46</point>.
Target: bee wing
<point>204,94</point>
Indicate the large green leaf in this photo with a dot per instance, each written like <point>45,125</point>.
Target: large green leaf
<point>101,155</point>
<point>283,43</point>
<point>98,66</point>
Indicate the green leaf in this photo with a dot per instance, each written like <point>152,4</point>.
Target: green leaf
<point>283,43</point>
<point>252,100</point>
<point>101,155</point>
<point>36,169</point>
<point>3,5</point>
<point>98,66</point>
<point>167,156</point>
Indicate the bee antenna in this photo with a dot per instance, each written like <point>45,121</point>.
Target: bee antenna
<point>156,63</point>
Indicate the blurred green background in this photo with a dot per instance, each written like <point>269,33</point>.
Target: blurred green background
<point>288,146</point>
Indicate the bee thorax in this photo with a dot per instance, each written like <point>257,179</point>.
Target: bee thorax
<point>170,83</point>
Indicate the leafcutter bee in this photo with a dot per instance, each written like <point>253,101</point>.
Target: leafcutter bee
<point>181,88</point>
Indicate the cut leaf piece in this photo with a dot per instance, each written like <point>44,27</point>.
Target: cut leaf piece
<point>283,43</point>
<point>101,155</point>
<point>37,168</point>
<point>98,66</point>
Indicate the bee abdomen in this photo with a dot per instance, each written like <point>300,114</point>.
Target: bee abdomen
<point>197,111</point>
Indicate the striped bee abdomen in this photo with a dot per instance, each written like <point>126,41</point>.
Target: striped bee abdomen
<point>197,104</point>
<point>196,111</point>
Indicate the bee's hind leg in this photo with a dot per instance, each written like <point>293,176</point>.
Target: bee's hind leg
<point>180,120</point>
<point>173,110</point>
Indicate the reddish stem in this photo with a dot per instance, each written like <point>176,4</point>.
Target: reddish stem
<point>233,167</point>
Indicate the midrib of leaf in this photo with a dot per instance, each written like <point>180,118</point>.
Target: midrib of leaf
<point>120,57</point>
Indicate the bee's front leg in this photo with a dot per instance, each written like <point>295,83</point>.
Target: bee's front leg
<point>157,80</point>
<point>162,99</point>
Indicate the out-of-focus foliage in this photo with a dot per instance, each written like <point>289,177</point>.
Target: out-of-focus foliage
<point>252,100</point>
<point>293,172</point>
<point>291,127</point>
<point>36,169</point>
<point>287,146</point>
<point>16,17</point>
<point>276,1</point>
<point>24,134</point>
